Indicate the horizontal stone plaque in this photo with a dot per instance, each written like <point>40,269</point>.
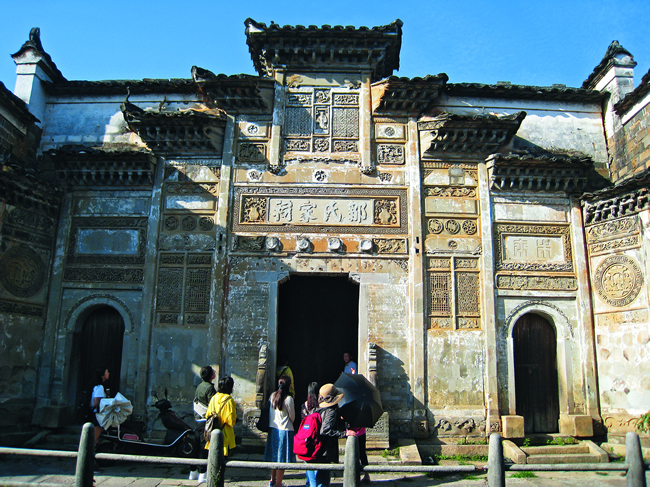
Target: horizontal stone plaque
<point>450,205</point>
<point>320,210</point>
<point>186,202</point>
<point>522,248</point>
<point>104,241</point>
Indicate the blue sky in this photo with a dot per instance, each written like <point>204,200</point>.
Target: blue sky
<point>529,43</point>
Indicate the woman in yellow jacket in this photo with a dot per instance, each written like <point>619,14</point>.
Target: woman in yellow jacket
<point>223,405</point>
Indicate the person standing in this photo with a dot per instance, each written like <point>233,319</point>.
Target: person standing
<point>332,428</point>
<point>308,407</point>
<point>279,443</point>
<point>360,433</point>
<point>99,392</point>
<point>223,405</point>
<point>204,392</point>
<point>284,369</point>
<point>350,365</point>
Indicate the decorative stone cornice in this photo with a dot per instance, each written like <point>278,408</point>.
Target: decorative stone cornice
<point>326,48</point>
<point>19,188</point>
<point>235,93</point>
<point>628,197</point>
<point>79,166</point>
<point>548,173</point>
<point>194,131</point>
<point>616,55</point>
<point>406,95</point>
<point>484,134</point>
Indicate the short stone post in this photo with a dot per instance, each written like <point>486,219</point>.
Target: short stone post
<point>496,472</point>
<point>351,465</point>
<point>216,469</point>
<point>85,457</point>
<point>634,460</point>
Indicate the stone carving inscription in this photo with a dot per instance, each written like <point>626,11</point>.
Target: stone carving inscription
<point>522,248</point>
<point>324,210</point>
<point>321,211</point>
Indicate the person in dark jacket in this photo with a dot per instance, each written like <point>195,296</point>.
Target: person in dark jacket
<point>332,428</point>
<point>204,392</point>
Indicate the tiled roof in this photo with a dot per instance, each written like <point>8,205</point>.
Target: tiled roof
<point>525,92</point>
<point>119,87</point>
<point>639,180</point>
<point>411,95</point>
<point>635,96</point>
<point>17,107</point>
<point>317,48</point>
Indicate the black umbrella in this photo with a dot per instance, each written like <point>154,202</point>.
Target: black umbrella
<point>361,404</point>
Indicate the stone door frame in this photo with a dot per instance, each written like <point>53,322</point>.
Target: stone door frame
<point>274,281</point>
<point>563,336</point>
<point>74,322</point>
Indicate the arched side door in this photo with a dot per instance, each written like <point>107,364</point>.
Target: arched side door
<point>536,388</point>
<point>100,345</point>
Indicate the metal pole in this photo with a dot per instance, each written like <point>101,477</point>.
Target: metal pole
<point>86,457</point>
<point>634,460</point>
<point>496,472</point>
<point>351,466</point>
<point>216,468</point>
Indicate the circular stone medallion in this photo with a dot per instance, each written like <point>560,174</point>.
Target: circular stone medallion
<point>618,280</point>
<point>22,271</point>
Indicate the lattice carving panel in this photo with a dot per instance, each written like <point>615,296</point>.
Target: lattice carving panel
<point>169,291</point>
<point>197,292</point>
<point>468,294</point>
<point>321,121</point>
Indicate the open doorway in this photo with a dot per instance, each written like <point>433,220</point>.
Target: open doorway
<point>99,345</point>
<point>536,388</point>
<point>318,320</point>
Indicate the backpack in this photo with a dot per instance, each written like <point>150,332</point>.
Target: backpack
<point>307,443</point>
<point>211,423</point>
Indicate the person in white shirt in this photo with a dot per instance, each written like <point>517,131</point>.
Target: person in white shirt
<point>279,443</point>
<point>97,395</point>
<point>350,366</point>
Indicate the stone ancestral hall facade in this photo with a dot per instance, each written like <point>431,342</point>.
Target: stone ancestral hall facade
<point>482,250</point>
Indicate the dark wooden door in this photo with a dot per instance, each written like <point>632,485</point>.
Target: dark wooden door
<point>536,374</point>
<point>318,320</point>
<point>100,345</point>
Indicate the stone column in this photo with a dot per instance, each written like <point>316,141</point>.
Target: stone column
<point>489,309</point>
<point>220,270</point>
<point>417,289</point>
<point>148,292</point>
<point>585,313</point>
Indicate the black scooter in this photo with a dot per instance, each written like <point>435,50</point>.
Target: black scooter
<point>128,437</point>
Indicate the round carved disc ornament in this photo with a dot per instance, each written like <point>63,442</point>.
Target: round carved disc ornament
<point>22,271</point>
<point>618,280</point>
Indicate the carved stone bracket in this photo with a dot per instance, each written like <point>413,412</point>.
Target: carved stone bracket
<point>260,377</point>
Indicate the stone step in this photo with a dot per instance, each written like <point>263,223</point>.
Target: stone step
<point>554,459</point>
<point>555,449</point>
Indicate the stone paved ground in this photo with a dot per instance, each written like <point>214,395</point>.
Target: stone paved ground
<point>61,472</point>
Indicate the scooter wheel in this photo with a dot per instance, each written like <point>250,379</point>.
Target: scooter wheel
<point>186,447</point>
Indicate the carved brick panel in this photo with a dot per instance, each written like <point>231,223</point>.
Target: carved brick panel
<point>618,280</point>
